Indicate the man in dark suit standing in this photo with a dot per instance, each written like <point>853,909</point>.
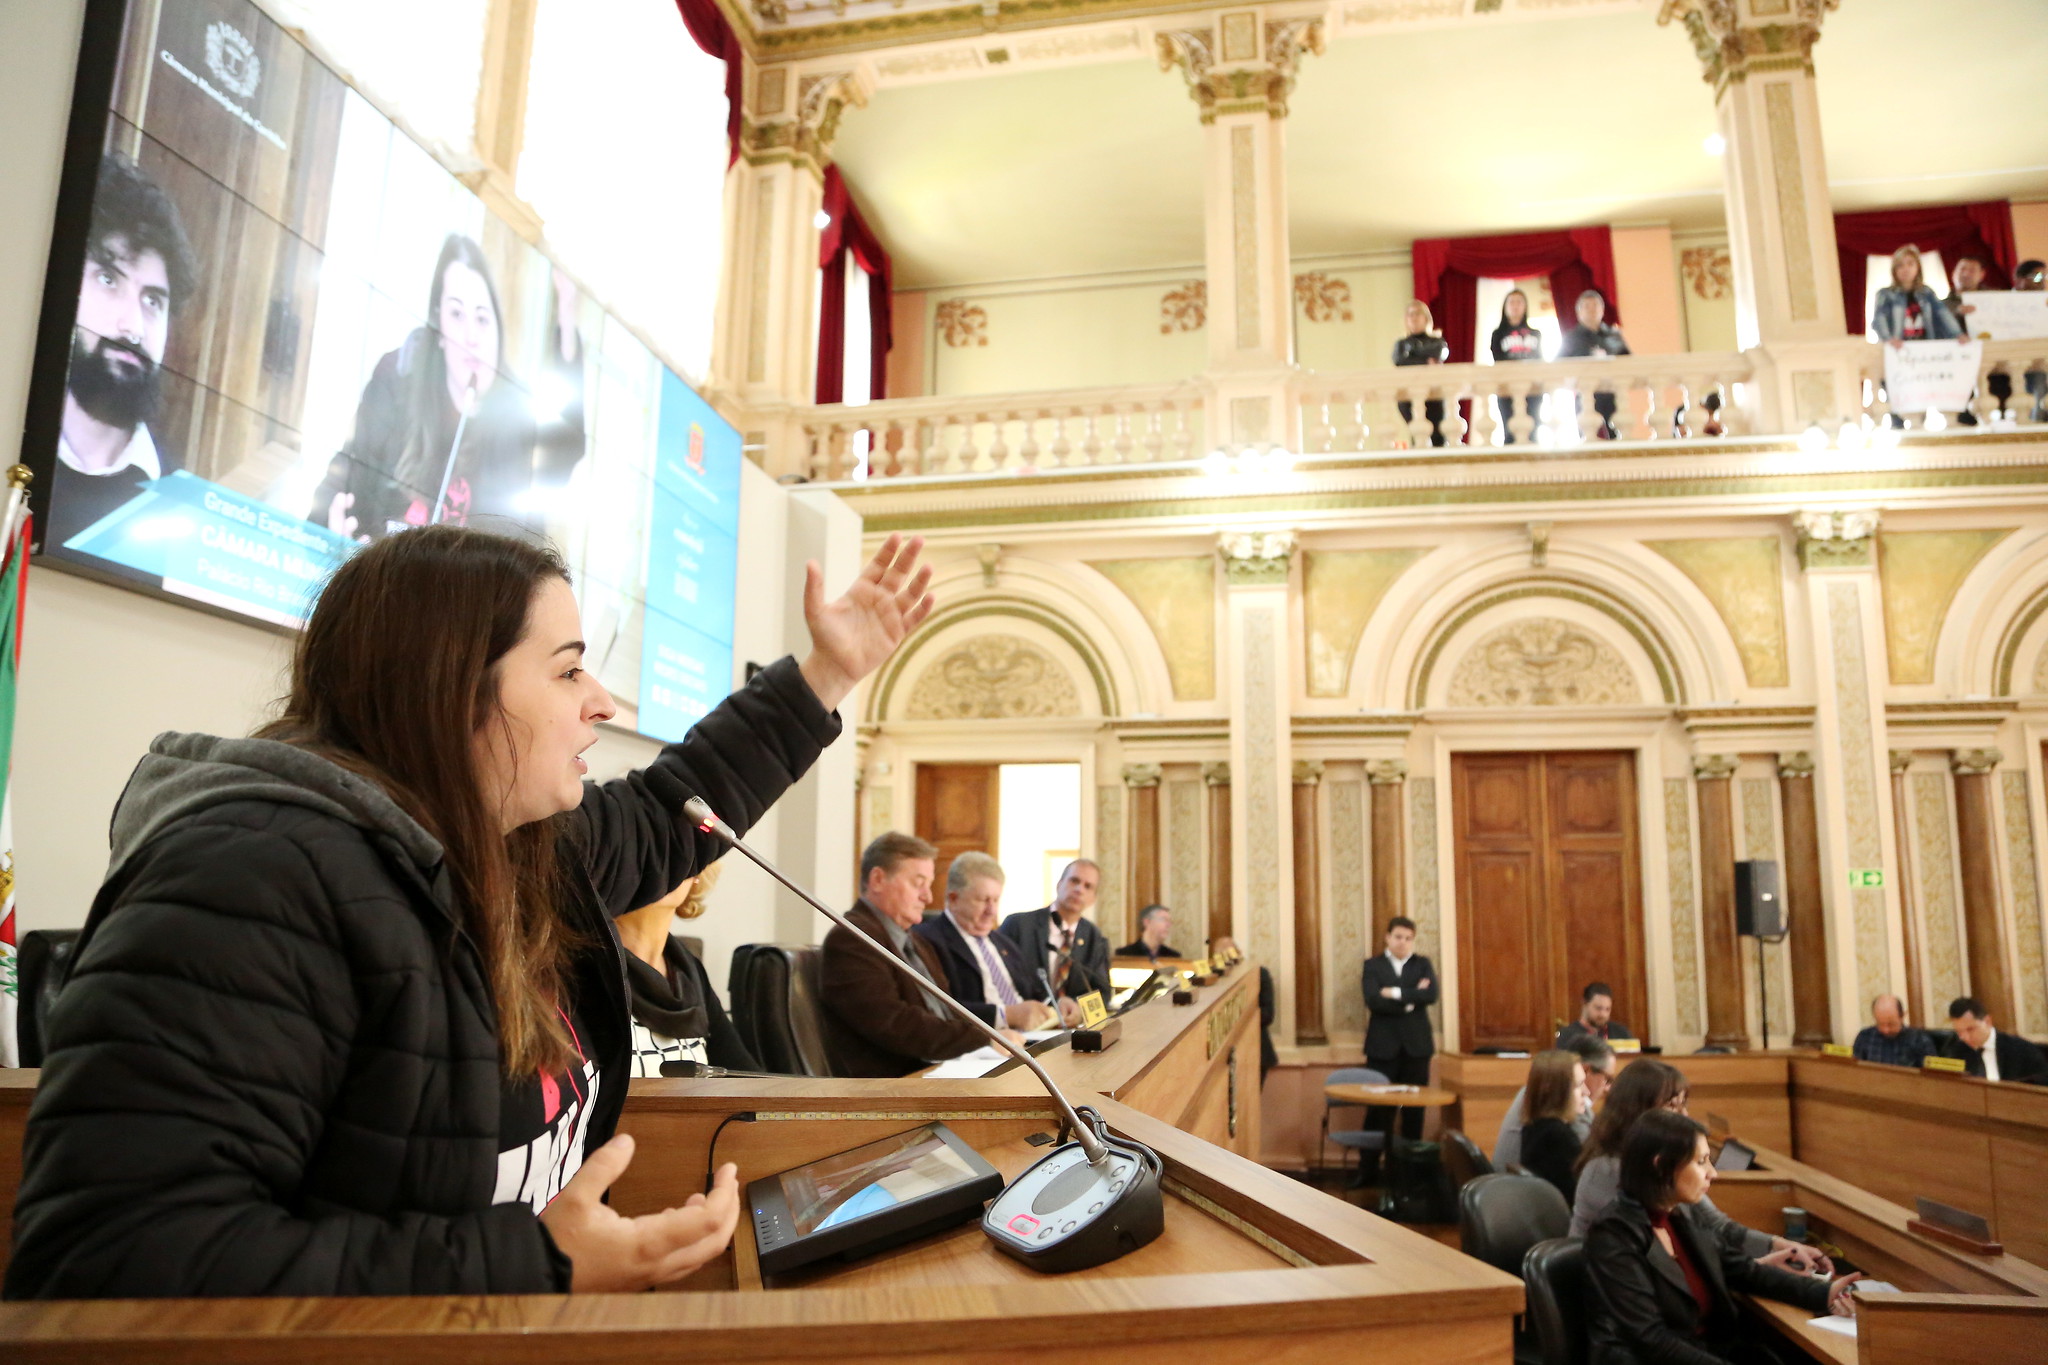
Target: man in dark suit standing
<point>984,970</point>
<point>1070,949</point>
<point>880,1023</point>
<point>1986,1052</point>
<point>1399,986</point>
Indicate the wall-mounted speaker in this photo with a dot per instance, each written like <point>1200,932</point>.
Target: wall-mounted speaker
<point>1759,904</point>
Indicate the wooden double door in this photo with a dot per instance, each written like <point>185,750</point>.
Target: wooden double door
<point>1549,883</point>
<point>959,808</point>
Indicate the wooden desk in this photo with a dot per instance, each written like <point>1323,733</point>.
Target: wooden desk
<point>1746,1088</point>
<point>1376,1096</point>
<point>1252,1266</point>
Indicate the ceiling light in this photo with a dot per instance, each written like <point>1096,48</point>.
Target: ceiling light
<point>1714,144</point>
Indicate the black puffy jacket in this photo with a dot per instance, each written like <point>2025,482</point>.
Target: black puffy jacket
<point>275,1067</point>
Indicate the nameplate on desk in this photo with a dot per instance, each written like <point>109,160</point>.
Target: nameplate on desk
<point>1836,1050</point>
<point>1093,1011</point>
<point>1625,1044</point>
<point>1954,1064</point>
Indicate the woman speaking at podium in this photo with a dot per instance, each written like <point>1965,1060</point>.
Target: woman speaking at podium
<point>349,1015</point>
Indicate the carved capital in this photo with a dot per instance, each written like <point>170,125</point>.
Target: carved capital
<point>1901,759</point>
<point>1241,67</point>
<point>1216,774</point>
<point>1974,762</point>
<point>1137,775</point>
<point>1733,39</point>
<point>1251,558</point>
<point>991,556</point>
<point>806,138</point>
<point>1796,764</point>
<point>1714,767</point>
<point>1307,772</point>
<point>1836,540</point>
<point>1386,772</point>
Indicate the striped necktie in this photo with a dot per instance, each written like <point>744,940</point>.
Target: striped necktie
<point>997,972</point>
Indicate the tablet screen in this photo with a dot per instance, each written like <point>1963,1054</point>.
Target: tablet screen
<point>838,1189</point>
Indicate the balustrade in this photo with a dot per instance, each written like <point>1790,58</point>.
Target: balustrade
<point>2012,390</point>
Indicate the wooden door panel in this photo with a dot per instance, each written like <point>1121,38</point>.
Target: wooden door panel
<point>957,809</point>
<point>1595,883</point>
<point>1501,800</point>
<point>1501,891</point>
<point>1586,796</point>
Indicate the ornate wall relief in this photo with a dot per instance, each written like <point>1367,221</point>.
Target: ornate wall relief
<point>1184,308</point>
<point>1937,866</point>
<point>1920,572</point>
<point>1744,581</point>
<point>1177,598</point>
<point>1340,590</point>
<point>1349,928</point>
<point>1542,661</point>
<point>1323,298</point>
<point>1685,934</point>
<point>961,323</point>
<point>993,677</point>
<point>1708,271</point>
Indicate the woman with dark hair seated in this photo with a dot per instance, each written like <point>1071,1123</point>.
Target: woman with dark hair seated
<point>677,1015</point>
<point>1556,1095</point>
<point>1658,1285</point>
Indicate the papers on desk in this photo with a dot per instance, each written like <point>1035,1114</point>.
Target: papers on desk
<point>1834,1322</point>
<point>1390,1089</point>
<point>978,1063</point>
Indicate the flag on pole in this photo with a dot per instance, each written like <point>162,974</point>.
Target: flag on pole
<point>13,593</point>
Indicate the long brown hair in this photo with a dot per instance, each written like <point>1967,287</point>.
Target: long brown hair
<point>1549,1093</point>
<point>393,678</point>
<point>1645,1084</point>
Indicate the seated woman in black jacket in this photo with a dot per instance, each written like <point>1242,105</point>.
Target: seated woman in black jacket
<point>677,1015</point>
<point>1555,1096</point>
<point>1657,1285</point>
<point>348,1015</point>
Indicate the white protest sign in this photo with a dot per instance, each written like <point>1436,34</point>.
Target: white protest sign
<point>2006,315</point>
<point>1938,375</point>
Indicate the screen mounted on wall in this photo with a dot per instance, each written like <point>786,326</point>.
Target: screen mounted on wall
<point>276,330</point>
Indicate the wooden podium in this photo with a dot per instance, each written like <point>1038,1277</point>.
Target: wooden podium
<point>1253,1266</point>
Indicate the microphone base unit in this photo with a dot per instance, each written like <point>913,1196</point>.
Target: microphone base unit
<point>1185,995</point>
<point>1098,1039</point>
<point>1065,1214</point>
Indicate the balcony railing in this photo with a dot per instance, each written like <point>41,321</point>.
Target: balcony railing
<point>1693,396</point>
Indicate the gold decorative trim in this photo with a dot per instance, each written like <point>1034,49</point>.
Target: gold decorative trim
<point>1670,682</point>
<point>976,608</point>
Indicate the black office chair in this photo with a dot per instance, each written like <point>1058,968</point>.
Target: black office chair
<point>40,970</point>
<point>783,1007</point>
<point>1501,1216</point>
<point>1463,1161</point>
<point>1554,1277</point>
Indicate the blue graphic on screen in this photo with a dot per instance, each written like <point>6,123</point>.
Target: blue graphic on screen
<point>692,564</point>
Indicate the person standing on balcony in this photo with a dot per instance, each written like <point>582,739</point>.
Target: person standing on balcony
<point>1594,335</point>
<point>1906,309</point>
<point>2031,277</point>
<point>1424,345</point>
<point>1513,341</point>
<point>1968,277</point>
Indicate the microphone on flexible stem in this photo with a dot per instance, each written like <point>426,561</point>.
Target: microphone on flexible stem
<point>448,470</point>
<point>1084,1203</point>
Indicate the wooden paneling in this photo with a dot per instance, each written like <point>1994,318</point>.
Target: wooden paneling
<point>1219,857</point>
<point>1549,892</point>
<point>1308,914</point>
<point>1722,966</point>
<point>1144,848</point>
<point>1389,858</point>
<point>1748,1089</point>
<point>1911,1329</point>
<point>958,808</point>
<point>1805,914</point>
<point>1983,925</point>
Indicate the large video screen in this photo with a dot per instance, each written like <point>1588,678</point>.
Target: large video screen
<point>291,333</point>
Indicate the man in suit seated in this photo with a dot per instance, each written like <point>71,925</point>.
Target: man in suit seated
<point>1069,949</point>
<point>1888,1040</point>
<point>1155,922</point>
<point>878,1022</point>
<point>1399,987</point>
<point>984,970</point>
<point>1988,1053</point>
<point>1596,1017</point>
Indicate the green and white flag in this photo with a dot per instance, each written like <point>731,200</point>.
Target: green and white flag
<point>13,592</point>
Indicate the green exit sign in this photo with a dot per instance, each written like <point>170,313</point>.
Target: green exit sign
<point>1866,876</point>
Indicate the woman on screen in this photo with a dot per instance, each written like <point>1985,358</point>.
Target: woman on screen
<point>443,433</point>
<point>348,1015</point>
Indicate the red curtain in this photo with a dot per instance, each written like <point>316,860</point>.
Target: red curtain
<point>1448,271</point>
<point>848,234</point>
<point>713,32</point>
<point>1980,230</point>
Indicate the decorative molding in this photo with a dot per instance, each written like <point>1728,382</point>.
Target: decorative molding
<point>991,557</point>
<point>1836,540</point>
<point>1539,544</point>
<point>993,677</point>
<point>1730,49</point>
<point>1223,84</point>
<point>961,323</point>
<point>979,608</point>
<point>1323,298</point>
<point>1741,578</point>
<point>1216,773</point>
<point>1900,759</point>
<point>1974,762</point>
<point>1709,271</point>
<point>1714,767</point>
<point>1137,775</point>
<point>806,137</point>
<point>1340,590</point>
<point>1308,772</point>
<point>1184,308</point>
<point>1177,598</point>
<point>1255,558</point>
<point>1920,573</point>
<point>1670,683</point>
<point>1386,772</point>
<point>1543,661</point>
<point>1797,764</point>
<point>1685,935</point>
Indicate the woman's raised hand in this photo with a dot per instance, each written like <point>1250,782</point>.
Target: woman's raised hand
<point>851,636</point>
<point>613,1254</point>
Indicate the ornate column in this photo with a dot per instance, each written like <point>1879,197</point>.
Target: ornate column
<point>1240,72</point>
<point>1256,567</point>
<point>1711,779</point>
<point>1805,916</point>
<point>1388,778</point>
<point>1758,57</point>
<point>1216,776</point>
<point>1909,896</point>
<point>1308,907</point>
<point>1143,780</point>
<point>765,349</point>
<point>1859,859</point>
<point>1977,852</point>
